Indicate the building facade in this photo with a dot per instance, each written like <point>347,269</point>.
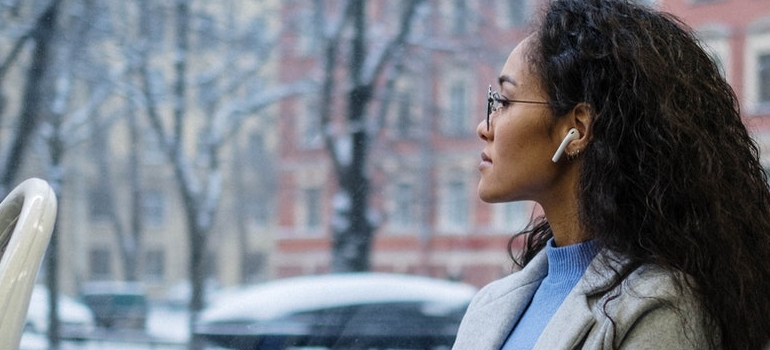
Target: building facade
<point>423,168</point>
<point>279,186</point>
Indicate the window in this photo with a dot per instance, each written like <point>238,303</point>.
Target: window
<point>259,209</point>
<point>719,62</point>
<point>455,206</point>
<point>310,126</point>
<point>312,208</point>
<point>764,78</point>
<point>257,149</point>
<point>455,122</point>
<point>308,28</point>
<point>756,68</point>
<point>403,113</point>
<point>99,263</point>
<point>153,207</point>
<point>154,264</point>
<point>517,12</point>
<point>404,122</point>
<point>403,212</point>
<point>459,17</point>
<point>511,217</point>
<point>99,203</point>
<point>714,38</point>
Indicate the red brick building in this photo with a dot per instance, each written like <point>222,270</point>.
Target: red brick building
<point>425,150</point>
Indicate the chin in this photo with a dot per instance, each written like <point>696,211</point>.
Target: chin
<point>489,198</point>
<point>492,197</point>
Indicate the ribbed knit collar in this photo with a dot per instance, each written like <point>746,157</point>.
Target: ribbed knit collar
<point>567,264</point>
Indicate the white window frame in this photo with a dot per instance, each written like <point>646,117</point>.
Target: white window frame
<point>154,207</point>
<point>715,40</point>
<point>454,220</point>
<point>312,213</point>
<point>403,210</point>
<point>757,44</point>
<point>511,217</point>
<point>308,125</point>
<point>504,17</point>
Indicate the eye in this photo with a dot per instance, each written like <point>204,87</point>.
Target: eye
<point>502,102</point>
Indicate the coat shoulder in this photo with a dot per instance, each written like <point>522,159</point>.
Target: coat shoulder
<point>651,308</point>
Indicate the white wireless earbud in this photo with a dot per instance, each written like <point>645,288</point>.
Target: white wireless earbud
<point>572,134</point>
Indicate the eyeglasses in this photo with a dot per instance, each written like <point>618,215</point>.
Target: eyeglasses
<point>494,100</point>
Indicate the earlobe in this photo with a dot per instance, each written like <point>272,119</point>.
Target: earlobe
<point>572,135</point>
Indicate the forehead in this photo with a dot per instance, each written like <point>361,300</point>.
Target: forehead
<point>517,71</point>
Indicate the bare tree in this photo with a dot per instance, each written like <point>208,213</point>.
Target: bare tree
<point>39,84</point>
<point>231,94</point>
<point>41,34</point>
<point>364,68</point>
<point>62,125</point>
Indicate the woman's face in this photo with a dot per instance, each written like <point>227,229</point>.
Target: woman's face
<point>516,162</point>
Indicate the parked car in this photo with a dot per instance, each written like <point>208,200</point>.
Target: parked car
<point>76,321</point>
<point>350,311</point>
<point>116,305</point>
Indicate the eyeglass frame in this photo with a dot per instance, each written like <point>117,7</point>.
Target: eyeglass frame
<point>494,100</point>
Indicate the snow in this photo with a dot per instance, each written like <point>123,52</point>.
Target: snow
<point>284,297</point>
<point>343,149</point>
<point>341,204</point>
<point>341,201</point>
<point>70,310</point>
<point>169,324</point>
<point>167,330</point>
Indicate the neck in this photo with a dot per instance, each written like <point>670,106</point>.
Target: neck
<point>561,210</point>
<point>567,230</point>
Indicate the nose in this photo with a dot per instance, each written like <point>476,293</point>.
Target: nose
<point>482,131</point>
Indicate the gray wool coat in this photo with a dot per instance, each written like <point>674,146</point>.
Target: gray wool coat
<point>649,312</point>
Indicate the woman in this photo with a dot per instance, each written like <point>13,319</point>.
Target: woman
<point>656,226</point>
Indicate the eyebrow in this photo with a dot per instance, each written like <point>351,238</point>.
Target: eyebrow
<point>506,79</point>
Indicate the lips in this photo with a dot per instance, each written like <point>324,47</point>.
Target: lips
<point>485,161</point>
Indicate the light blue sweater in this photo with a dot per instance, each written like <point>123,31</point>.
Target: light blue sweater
<point>565,267</point>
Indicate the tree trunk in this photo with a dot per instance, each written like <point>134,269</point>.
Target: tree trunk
<point>136,227</point>
<point>34,94</point>
<point>352,228</point>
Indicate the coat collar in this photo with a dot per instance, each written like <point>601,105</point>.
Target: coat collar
<point>499,305</point>
<point>575,318</point>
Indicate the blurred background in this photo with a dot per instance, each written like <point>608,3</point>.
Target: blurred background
<point>198,147</point>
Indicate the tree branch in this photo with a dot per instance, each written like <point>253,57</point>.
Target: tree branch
<point>378,62</point>
<point>332,41</point>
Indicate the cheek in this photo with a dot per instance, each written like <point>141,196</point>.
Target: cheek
<point>512,147</point>
<point>521,143</point>
<point>524,155</point>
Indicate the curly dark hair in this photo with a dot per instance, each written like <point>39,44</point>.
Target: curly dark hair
<point>671,175</point>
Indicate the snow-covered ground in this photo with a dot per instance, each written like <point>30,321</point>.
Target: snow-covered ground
<point>166,330</point>
<point>168,324</point>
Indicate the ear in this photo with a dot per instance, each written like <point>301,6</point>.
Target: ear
<point>580,118</point>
